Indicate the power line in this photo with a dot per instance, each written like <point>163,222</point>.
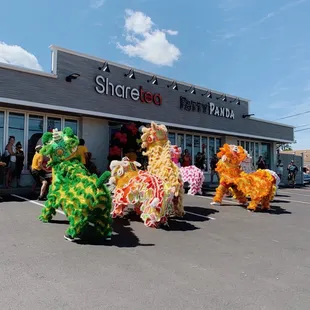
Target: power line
<point>302,129</point>
<point>302,125</point>
<point>293,115</point>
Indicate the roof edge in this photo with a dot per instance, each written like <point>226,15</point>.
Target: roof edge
<point>27,70</point>
<point>271,122</point>
<point>68,51</point>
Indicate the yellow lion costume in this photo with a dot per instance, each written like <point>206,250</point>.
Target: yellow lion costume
<point>260,185</point>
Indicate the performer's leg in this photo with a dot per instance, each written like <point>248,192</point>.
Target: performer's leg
<point>219,194</point>
<point>118,210</point>
<point>103,225</point>
<point>266,202</point>
<point>238,195</point>
<point>77,222</point>
<point>253,204</point>
<point>47,212</point>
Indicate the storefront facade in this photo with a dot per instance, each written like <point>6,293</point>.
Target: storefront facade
<point>90,95</point>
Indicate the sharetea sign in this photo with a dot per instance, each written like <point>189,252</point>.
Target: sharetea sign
<point>104,86</point>
<point>206,108</point>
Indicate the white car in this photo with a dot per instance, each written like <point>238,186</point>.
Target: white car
<point>306,178</point>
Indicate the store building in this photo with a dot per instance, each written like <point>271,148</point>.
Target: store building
<point>94,96</point>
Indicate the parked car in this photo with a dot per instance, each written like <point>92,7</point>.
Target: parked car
<point>306,178</point>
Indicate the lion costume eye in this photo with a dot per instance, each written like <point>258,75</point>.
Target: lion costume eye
<point>120,171</point>
<point>150,139</point>
<point>59,152</point>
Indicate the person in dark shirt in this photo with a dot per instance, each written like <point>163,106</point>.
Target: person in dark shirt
<point>213,164</point>
<point>292,172</point>
<point>199,160</point>
<point>261,163</point>
<point>19,166</point>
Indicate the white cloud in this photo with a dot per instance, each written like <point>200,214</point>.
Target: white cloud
<point>172,32</point>
<point>138,22</point>
<point>16,55</point>
<point>147,42</point>
<point>96,4</point>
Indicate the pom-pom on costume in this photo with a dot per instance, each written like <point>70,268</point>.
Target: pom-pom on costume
<point>84,198</point>
<point>191,174</point>
<point>158,149</point>
<point>147,193</point>
<point>260,185</point>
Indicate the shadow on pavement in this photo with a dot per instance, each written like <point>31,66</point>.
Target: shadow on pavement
<point>63,222</point>
<point>280,201</point>
<point>124,237</point>
<point>192,214</point>
<point>277,210</point>
<point>198,214</point>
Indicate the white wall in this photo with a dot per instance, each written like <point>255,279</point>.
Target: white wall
<point>95,132</point>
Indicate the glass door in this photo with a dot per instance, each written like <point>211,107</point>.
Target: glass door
<point>265,152</point>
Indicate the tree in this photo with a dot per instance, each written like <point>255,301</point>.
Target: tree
<point>285,146</point>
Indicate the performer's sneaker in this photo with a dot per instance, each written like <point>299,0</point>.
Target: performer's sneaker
<point>69,238</point>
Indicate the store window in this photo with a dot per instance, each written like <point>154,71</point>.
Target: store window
<point>204,146</point>
<point>16,127</point>
<point>35,132</point>
<point>197,147</point>
<point>218,144</point>
<point>256,152</point>
<point>180,141</point>
<point>28,129</point>
<point>211,147</point>
<point>171,138</point>
<point>189,145</point>
<point>73,124</point>
<point>53,123</point>
<point>266,153</point>
<point>247,146</point>
<point>1,132</point>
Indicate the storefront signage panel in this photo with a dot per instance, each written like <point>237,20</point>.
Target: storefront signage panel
<point>206,108</point>
<point>104,86</point>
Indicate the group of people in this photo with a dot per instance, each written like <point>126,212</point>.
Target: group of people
<point>13,158</point>
<point>292,171</point>
<point>200,162</point>
<point>43,174</point>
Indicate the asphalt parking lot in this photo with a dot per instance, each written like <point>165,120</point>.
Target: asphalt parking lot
<point>215,258</point>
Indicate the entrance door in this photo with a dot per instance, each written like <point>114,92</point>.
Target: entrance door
<point>266,153</point>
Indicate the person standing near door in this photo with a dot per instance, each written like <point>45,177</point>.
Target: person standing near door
<point>10,154</point>
<point>82,152</point>
<point>261,163</point>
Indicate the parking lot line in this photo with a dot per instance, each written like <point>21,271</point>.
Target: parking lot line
<point>292,193</point>
<point>40,204</point>
<point>91,224</point>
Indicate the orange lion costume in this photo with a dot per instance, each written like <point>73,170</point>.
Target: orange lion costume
<point>260,185</point>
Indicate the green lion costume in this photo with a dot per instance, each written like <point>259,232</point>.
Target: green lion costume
<point>84,198</point>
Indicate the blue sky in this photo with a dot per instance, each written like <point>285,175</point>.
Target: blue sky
<point>253,49</point>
